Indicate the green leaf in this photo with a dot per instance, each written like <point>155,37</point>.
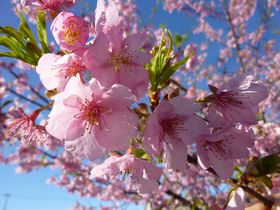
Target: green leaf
<point>24,58</point>
<point>41,31</point>
<point>32,49</point>
<point>161,67</point>
<point>13,45</point>
<point>9,43</point>
<point>170,71</point>
<point>28,55</point>
<point>10,31</point>
<point>21,43</point>
<point>179,39</point>
<point>266,165</point>
<point>25,30</point>
<point>8,54</point>
<point>170,41</point>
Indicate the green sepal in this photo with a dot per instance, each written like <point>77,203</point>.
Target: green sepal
<point>140,153</point>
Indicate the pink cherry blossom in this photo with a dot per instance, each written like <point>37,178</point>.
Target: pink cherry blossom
<point>52,5</point>
<point>236,102</point>
<point>120,62</point>
<point>25,128</point>
<point>171,128</point>
<point>55,71</point>
<point>143,175</point>
<point>241,10</point>
<point>70,32</point>
<point>91,117</point>
<point>219,149</point>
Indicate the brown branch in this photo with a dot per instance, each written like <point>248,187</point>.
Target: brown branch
<point>261,198</point>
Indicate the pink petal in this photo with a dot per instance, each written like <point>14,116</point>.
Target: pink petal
<point>116,37</point>
<point>105,16</point>
<point>255,93</point>
<point>121,96</point>
<point>202,153</point>
<point>74,130</point>
<point>117,130</point>
<point>184,106</point>
<point>135,42</point>
<point>108,167</point>
<point>107,76</point>
<point>139,84</point>
<point>215,116</point>
<point>96,87</point>
<point>76,87</point>
<point>141,58</point>
<point>59,122</point>
<point>84,147</point>
<point>100,8</point>
<point>72,101</point>
<point>153,133</point>
<point>46,72</point>
<point>97,54</point>
<point>193,127</point>
<point>164,111</point>
<point>224,168</point>
<point>237,202</point>
<point>175,154</point>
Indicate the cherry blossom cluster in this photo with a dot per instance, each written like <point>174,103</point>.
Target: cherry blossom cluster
<point>93,116</point>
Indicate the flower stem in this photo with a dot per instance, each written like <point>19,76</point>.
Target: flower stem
<point>45,107</point>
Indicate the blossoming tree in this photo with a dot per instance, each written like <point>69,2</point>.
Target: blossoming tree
<point>134,102</point>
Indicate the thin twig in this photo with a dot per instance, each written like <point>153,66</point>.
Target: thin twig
<point>179,198</point>
<point>23,97</point>
<point>30,87</point>
<point>235,37</point>
<point>181,87</point>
